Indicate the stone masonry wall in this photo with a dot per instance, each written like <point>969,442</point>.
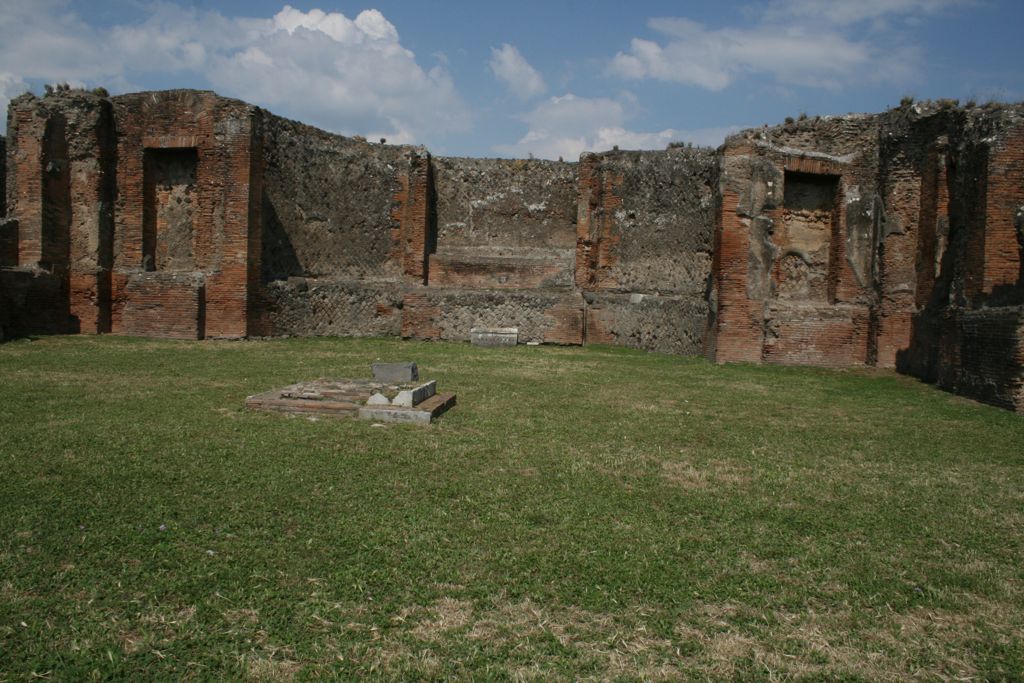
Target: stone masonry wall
<point>343,226</point>
<point>644,243</point>
<point>502,252</point>
<point>893,240</point>
<point>8,227</point>
<point>795,244</point>
<point>922,270</point>
<point>3,176</point>
<point>503,224</point>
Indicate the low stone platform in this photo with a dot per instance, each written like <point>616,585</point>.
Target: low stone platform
<point>414,402</point>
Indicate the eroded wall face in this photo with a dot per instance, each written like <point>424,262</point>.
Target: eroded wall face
<point>183,215</point>
<point>644,247</point>
<point>501,252</point>
<point>892,240</point>
<point>3,178</point>
<point>796,238</point>
<point>169,206</point>
<point>56,241</point>
<point>503,224</point>
<point>343,231</point>
<point>968,332</point>
<point>615,249</point>
<point>803,239</point>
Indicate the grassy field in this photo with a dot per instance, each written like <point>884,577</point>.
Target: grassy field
<point>583,513</point>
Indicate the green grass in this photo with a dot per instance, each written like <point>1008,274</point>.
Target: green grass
<point>582,513</point>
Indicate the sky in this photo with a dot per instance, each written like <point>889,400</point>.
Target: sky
<point>547,79</point>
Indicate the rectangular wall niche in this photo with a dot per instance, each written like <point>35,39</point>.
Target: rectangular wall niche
<point>169,204</point>
<point>803,242</point>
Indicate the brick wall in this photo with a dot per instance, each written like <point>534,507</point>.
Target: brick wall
<point>968,335</point>
<point>796,238</point>
<point>3,176</point>
<point>169,305</point>
<point>8,225</point>
<point>344,227</point>
<point>26,127</point>
<point>982,355</point>
<point>500,252</point>
<point>925,257</point>
<point>890,240</point>
<point>32,301</point>
<point>90,138</point>
<point>218,134</point>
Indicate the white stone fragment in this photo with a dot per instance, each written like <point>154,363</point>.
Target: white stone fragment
<point>412,397</point>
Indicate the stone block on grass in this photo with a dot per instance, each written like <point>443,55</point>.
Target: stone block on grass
<point>395,372</point>
<point>494,336</point>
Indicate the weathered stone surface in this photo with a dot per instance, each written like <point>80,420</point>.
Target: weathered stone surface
<point>548,316</point>
<point>423,414</point>
<point>359,397</point>
<point>395,372</point>
<point>505,203</point>
<point>494,336</point>
<point>667,324</point>
<point>644,247</point>
<point>894,244</point>
<point>408,398</point>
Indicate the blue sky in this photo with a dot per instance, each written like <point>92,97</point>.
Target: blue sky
<point>550,79</point>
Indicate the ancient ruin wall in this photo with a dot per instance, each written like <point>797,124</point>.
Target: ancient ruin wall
<point>327,202</point>
<point>889,239</point>
<point>55,195</point>
<point>923,267</point>
<point>503,224</point>
<point>8,228</point>
<point>185,188</point>
<point>332,251</point>
<point>324,241</point>
<point>3,177</point>
<point>795,244</point>
<point>644,244</point>
<point>502,252</point>
<point>968,332</point>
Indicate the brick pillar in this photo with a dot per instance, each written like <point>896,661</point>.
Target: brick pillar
<point>26,126</point>
<point>227,291</point>
<point>596,230</point>
<point>897,269</point>
<point>1003,200</point>
<point>91,230</point>
<point>739,321</point>
<point>411,234</point>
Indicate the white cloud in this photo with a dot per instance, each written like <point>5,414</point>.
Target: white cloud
<point>510,67</point>
<point>347,75</point>
<point>845,13</point>
<point>42,39</point>
<point>569,125</point>
<point>10,87</point>
<point>793,42</point>
<point>714,59</point>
